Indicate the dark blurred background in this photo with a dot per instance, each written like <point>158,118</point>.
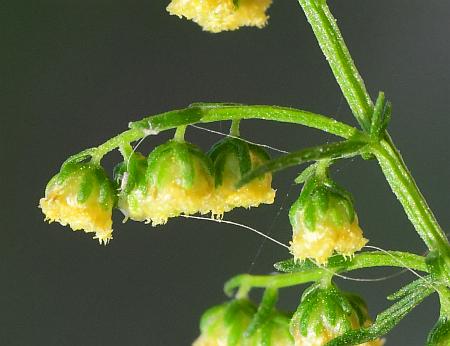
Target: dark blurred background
<point>74,73</point>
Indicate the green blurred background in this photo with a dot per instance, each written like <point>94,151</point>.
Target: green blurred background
<point>74,73</point>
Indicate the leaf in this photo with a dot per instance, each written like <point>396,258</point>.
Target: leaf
<point>377,116</point>
<point>381,116</point>
<point>346,148</point>
<point>410,288</point>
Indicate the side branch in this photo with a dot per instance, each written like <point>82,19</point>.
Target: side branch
<point>307,271</point>
<point>206,113</point>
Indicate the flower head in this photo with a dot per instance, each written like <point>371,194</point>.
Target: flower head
<point>325,313</point>
<point>222,15</point>
<point>323,221</point>
<point>232,158</point>
<point>226,325</point>
<point>175,179</point>
<point>81,196</point>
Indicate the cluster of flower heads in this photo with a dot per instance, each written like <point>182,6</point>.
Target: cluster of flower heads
<point>324,313</point>
<point>222,15</point>
<point>177,178</point>
<point>324,221</point>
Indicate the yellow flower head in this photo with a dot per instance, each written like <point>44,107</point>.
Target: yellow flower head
<point>326,313</point>
<point>324,221</point>
<point>176,179</point>
<point>222,15</point>
<point>232,158</point>
<point>81,196</point>
<point>227,324</point>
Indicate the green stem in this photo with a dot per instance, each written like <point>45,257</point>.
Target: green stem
<point>333,47</point>
<point>115,142</point>
<point>363,260</point>
<point>179,133</point>
<point>402,183</point>
<point>205,113</point>
<point>343,149</point>
<point>409,195</point>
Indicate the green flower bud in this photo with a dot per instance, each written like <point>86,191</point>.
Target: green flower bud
<point>81,196</point>
<point>323,221</point>
<point>232,158</point>
<point>226,325</point>
<point>176,179</point>
<point>440,334</point>
<point>325,313</point>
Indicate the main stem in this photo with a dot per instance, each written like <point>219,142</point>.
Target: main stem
<point>397,174</point>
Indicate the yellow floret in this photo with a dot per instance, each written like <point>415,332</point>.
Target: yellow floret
<point>256,192</point>
<point>320,243</point>
<point>60,204</point>
<point>158,204</point>
<point>222,15</point>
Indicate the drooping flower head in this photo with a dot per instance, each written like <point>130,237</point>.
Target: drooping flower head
<point>222,15</point>
<point>175,179</point>
<point>81,196</point>
<point>325,313</point>
<point>226,324</point>
<point>323,221</point>
<point>232,158</point>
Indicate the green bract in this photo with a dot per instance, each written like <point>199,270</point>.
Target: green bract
<point>177,162</point>
<point>322,200</point>
<point>232,158</point>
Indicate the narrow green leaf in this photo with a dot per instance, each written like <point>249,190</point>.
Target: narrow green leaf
<point>410,288</point>
<point>327,151</point>
<point>377,116</point>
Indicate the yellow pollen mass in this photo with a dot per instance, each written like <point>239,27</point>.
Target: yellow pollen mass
<point>60,204</point>
<point>319,244</point>
<point>222,15</point>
